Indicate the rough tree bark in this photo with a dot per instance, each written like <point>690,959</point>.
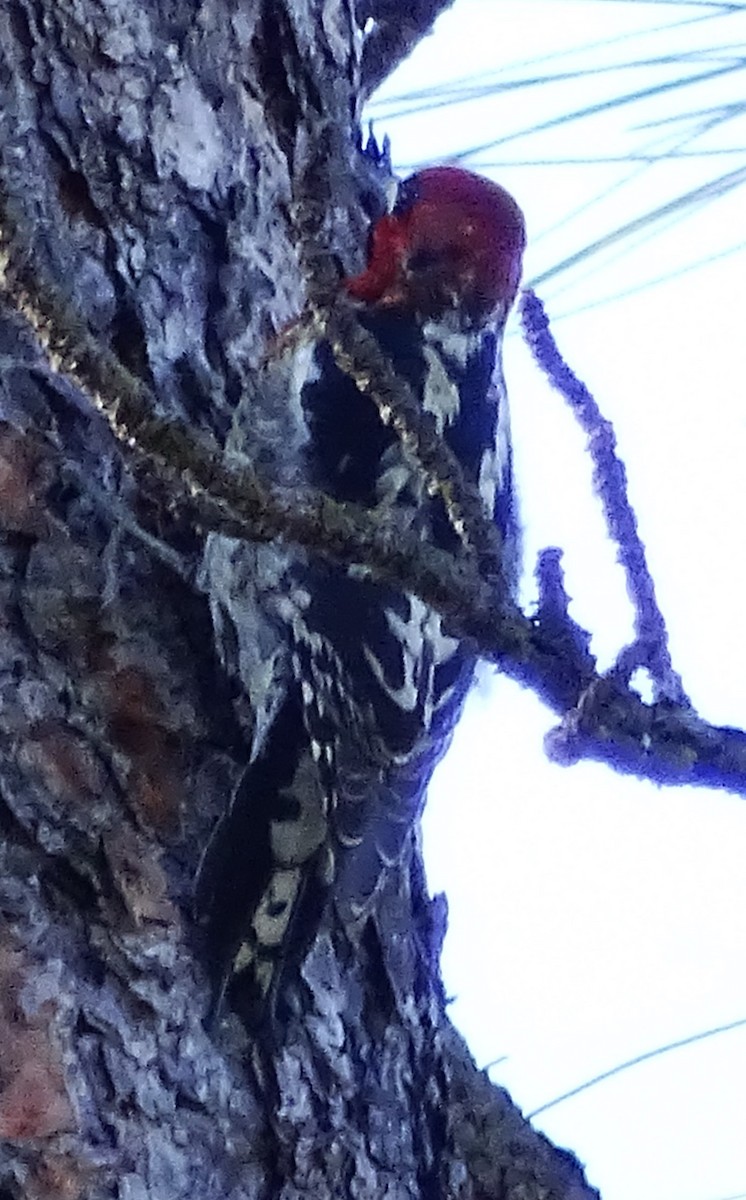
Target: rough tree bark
<point>162,160</point>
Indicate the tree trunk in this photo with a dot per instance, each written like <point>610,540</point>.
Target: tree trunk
<point>162,162</point>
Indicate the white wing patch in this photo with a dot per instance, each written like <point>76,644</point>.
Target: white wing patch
<point>422,627</point>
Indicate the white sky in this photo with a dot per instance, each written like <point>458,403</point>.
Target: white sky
<point>594,917</point>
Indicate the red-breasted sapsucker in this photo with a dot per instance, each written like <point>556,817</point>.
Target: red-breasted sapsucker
<point>370,685</point>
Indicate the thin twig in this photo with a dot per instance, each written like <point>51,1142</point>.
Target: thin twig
<point>610,482</point>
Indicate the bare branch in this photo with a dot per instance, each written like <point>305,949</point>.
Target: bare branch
<point>396,30</point>
<point>601,718</point>
<point>236,502</point>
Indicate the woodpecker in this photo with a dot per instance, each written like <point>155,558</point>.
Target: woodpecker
<point>453,245</point>
<point>372,683</point>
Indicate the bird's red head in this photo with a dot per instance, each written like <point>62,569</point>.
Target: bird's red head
<point>453,241</point>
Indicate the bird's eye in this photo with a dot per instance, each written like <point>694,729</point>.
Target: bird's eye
<point>424,260</point>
